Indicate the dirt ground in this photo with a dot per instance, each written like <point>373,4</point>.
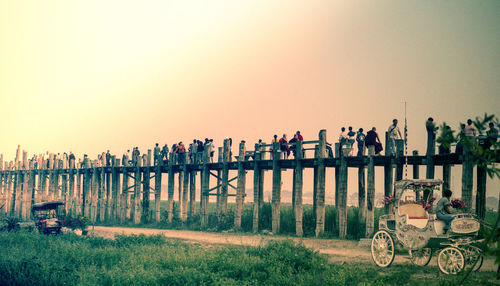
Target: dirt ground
<point>338,251</point>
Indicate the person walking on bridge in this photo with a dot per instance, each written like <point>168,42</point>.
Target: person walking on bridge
<point>394,134</point>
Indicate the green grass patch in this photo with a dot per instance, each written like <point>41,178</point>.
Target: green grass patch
<point>34,259</point>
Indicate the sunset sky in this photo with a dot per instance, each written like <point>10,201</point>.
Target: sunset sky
<point>87,76</point>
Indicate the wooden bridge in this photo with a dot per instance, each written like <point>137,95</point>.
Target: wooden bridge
<point>118,193</point>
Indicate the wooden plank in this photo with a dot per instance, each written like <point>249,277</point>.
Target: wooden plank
<point>109,190</point>
<point>102,193</point>
<point>297,200</point>
<point>94,195</point>
<point>240,191</point>
<point>146,192</point>
<point>320,195</point>
<point>71,193</point>
<point>370,193</point>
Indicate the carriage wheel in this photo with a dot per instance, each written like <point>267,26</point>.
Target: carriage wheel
<point>420,257</point>
<point>382,249</point>
<point>451,260</point>
<point>471,254</point>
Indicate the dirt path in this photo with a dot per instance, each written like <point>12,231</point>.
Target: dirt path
<point>338,251</point>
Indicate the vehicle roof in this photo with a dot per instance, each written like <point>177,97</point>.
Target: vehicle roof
<point>46,206</point>
<point>416,185</point>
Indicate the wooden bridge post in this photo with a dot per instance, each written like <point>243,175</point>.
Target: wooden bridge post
<point>79,193</point>
<point>276,196</point>
<point>109,187</point>
<point>94,195</point>
<point>114,215</point>
<point>171,182</point>
<point>446,176</point>
<point>205,186</point>
<point>71,191</point>
<point>137,194</point>
<point>101,178</point>
<point>225,178</point>
<point>481,192</point>
<point>467,178</point>
<point>192,193</point>
<point>388,182</point>
<point>13,193</point>
<point>416,167</point>
<point>124,201</point>
<point>65,192</point>
<point>146,178</point>
<point>158,174</point>
<point>315,182</point>
<point>320,195</point>
<point>342,206</point>
<point>370,193</point>
<point>297,202</point>
<point>185,189</point>
<point>400,159</point>
<point>256,189</point>
<point>361,196</point>
<point>240,191</point>
<point>86,192</point>
<point>431,151</point>
<point>218,201</point>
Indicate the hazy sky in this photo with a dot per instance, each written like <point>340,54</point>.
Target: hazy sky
<point>86,76</point>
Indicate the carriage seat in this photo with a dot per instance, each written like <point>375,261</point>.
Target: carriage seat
<point>415,214</point>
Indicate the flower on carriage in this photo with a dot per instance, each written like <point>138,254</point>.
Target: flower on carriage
<point>428,205</point>
<point>458,204</point>
<point>388,200</point>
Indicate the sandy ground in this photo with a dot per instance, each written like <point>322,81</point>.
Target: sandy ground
<point>338,251</point>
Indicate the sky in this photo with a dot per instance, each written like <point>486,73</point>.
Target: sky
<point>88,76</point>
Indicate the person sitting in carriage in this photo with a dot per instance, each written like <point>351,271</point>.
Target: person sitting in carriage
<point>443,209</point>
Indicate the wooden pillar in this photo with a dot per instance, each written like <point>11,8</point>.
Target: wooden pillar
<point>431,150</point>
<point>256,189</point>
<point>115,191</point>
<point>400,159</point>
<point>102,193</point>
<point>185,189</point>
<point>297,202</point>
<point>370,193</point>
<point>446,176</point>
<point>320,195</point>
<point>137,196</point>
<point>240,188</point>
<point>342,206</point>
<point>65,192</point>
<point>95,195</point>
<point>71,192</point>
<point>86,192</point>
<point>467,178</point>
<point>158,174</point>
<point>171,183</point>
<point>192,193</point>
<point>276,196</point>
<point>146,191</point>
<point>79,194</point>
<point>481,192</point>
<point>315,182</point>
<point>416,167</point>
<point>225,178</point>
<point>205,186</point>
<point>124,202</point>
<point>388,182</point>
<point>361,196</point>
<point>108,183</point>
<point>218,200</point>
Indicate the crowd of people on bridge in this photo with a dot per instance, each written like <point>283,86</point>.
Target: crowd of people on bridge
<point>193,154</point>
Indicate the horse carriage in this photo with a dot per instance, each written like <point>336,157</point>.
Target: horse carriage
<point>411,224</point>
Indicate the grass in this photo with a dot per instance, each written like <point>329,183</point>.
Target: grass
<point>355,230</point>
<point>34,259</point>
